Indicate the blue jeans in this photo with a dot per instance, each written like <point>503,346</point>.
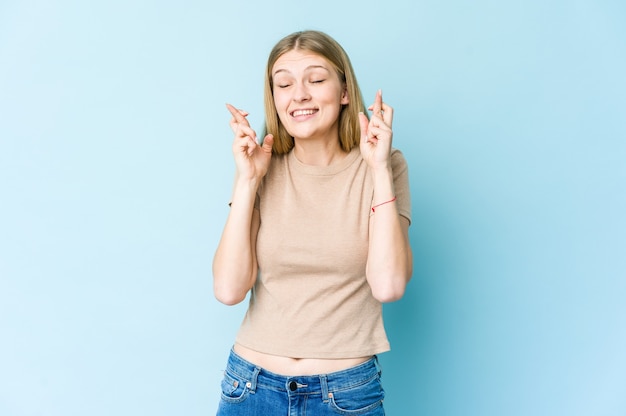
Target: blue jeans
<point>248,390</point>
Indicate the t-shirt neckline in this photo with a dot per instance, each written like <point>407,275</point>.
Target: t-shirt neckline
<point>331,169</point>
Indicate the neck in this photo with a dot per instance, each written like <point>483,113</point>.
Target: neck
<point>318,154</point>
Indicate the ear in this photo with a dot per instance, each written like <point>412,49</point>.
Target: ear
<point>345,99</point>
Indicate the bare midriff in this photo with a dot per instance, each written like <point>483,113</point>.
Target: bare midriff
<point>296,366</point>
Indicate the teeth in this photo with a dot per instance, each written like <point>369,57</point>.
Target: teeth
<point>303,113</point>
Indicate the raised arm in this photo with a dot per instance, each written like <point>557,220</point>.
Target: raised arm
<point>390,260</point>
<point>234,264</point>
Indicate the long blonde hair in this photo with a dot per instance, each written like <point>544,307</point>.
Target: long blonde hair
<point>325,46</point>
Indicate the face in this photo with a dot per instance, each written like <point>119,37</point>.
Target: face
<point>308,95</point>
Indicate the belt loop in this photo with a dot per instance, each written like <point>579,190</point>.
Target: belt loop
<point>253,379</point>
<point>379,367</point>
<point>324,385</point>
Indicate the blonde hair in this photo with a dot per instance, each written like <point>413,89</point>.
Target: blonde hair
<point>325,46</point>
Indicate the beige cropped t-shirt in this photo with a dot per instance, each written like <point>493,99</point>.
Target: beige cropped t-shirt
<point>311,298</point>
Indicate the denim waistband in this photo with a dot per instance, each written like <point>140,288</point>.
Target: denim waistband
<point>309,384</point>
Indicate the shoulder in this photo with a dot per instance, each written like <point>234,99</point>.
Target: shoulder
<point>276,173</point>
<point>277,163</point>
<point>398,161</point>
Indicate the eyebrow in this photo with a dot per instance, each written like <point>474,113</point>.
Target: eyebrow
<point>305,69</point>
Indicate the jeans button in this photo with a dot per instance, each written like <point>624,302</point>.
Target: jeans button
<point>293,386</point>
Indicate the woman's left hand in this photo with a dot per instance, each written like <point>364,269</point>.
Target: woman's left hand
<point>376,134</point>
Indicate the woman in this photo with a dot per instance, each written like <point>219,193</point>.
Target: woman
<point>318,232</point>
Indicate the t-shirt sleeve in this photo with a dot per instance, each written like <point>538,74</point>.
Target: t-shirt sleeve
<point>400,171</point>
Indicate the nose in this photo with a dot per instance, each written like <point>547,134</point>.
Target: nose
<point>301,92</point>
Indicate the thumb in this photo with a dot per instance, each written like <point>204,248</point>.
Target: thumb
<point>268,142</point>
<point>364,123</point>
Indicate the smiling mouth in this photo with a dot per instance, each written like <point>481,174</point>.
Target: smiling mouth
<point>308,112</point>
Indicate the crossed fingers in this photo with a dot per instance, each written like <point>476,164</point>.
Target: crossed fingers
<point>239,117</point>
<point>381,110</point>
<point>244,134</point>
<point>379,126</point>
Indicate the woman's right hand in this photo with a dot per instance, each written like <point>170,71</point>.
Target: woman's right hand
<point>252,159</point>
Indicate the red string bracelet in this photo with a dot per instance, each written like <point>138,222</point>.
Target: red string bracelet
<point>382,203</point>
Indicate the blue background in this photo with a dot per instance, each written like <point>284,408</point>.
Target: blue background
<point>115,171</point>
